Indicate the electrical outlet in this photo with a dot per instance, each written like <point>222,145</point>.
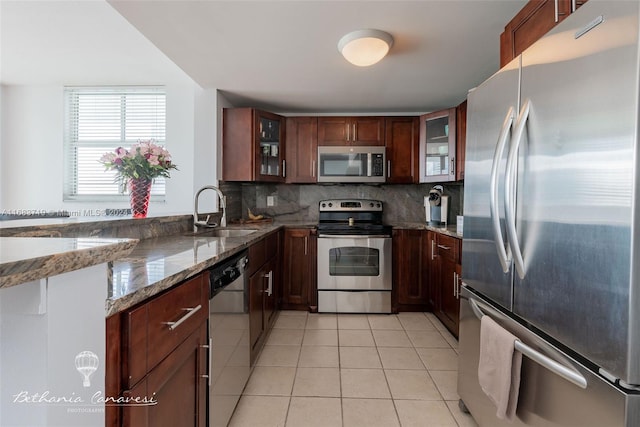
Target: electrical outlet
<point>271,201</point>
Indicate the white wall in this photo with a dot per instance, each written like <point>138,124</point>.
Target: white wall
<point>32,149</point>
<point>42,55</point>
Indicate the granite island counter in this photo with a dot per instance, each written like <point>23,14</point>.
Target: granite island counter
<point>23,259</point>
<point>157,264</point>
<point>145,256</point>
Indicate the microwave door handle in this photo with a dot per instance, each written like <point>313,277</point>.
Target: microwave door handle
<point>369,163</point>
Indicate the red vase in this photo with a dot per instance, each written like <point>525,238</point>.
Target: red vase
<point>139,194</point>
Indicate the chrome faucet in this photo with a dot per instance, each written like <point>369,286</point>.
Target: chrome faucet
<point>223,206</point>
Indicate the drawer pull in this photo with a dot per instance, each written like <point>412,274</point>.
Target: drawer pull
<point>191,312</point>
<point>446,248</point>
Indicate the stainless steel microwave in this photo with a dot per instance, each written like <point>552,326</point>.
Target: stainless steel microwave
<point>351,164</point>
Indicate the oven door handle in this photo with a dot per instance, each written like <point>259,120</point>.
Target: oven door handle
<point>354,236</point>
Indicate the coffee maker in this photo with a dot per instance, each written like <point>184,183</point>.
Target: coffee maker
<point>436,206</point>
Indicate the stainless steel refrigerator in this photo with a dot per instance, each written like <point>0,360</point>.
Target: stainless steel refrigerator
<point>550,249</point>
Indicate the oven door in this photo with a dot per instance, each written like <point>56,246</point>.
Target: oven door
<point>356,263</point>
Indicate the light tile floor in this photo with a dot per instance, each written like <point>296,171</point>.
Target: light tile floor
<point>351,370</point>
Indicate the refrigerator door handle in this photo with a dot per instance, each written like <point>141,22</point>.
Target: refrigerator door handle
<point>504,255</point>
<point>510,189</point>
<point>568,373</point>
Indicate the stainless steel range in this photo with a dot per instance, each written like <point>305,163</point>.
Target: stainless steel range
<point>354,257</point>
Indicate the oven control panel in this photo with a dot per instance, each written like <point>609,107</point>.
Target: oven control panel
<point>351,205</point>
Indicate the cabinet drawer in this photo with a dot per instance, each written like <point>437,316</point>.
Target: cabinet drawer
<point>448,247</point>
<point>159,326</point>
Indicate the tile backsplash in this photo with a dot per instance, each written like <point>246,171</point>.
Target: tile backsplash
<point>299,202</point>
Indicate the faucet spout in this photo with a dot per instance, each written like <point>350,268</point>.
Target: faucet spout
<point>223,207</point>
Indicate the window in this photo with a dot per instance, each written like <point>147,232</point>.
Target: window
<point>102,119</point>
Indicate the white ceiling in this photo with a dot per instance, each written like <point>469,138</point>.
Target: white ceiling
<point>282,55</point>
<point>81,42</point>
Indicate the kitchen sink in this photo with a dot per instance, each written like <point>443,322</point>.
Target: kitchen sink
<point>223,232</point>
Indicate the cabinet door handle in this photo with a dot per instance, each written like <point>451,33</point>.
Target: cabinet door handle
<point>433,250</point>
<point>388,168</point>
<point>284,168</point>
<point>269,277</point>
<point>306,245</point>
<point>446,248</point>
<point>190,312</point>
<point>455,284</point>
<point>574,6</point>
<point>353,137</point>
<point>313,168</point>
<point>209,361</point>
<point>348,133</point>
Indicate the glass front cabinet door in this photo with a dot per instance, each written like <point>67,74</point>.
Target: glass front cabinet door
<point>438,146</point>
<point>269,151</point>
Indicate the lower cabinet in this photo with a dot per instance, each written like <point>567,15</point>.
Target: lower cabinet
<point>157,352</point>
<point>299,279</point>
<point>426,274</point>
<point>264,278</point>
<point>445,274</point>
<point>411,282</point>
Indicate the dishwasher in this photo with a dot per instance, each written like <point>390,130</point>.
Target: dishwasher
<point>228,337</point>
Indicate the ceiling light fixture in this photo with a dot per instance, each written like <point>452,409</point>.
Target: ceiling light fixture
<point>365,47</point>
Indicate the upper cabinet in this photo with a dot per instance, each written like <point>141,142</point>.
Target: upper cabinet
<point>535,19</point>
<point>302,149</point>
<point>437,159</point>
<point>461,138</point>
<point>350,130</point>
<point>401,140</point>
<point>253,145</point>
<point>429,148</point>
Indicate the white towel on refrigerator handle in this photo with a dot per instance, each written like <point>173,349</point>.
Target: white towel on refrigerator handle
<point>499,367</point>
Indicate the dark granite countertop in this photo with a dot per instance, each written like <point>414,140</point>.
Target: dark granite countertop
<point>23,259</point>
<point>158,263</point>
<point>450,230</point>
<point>142,268</point>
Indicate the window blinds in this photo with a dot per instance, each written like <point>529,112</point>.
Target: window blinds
<point>98,120</point>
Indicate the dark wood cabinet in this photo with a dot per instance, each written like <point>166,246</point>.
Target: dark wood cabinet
<point>253,147</point>
<point>302,149</point>
<point>445,274</point>
<point>433,292</point>
<point>264,278</point>
<point>411,270</point>
<point>179,385</point>
<point>533,21</point>
<point>401,140</point>
<point>437,153</point>
<point>299,285</point>
<point>158,350</point>
<point>350,130</point>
